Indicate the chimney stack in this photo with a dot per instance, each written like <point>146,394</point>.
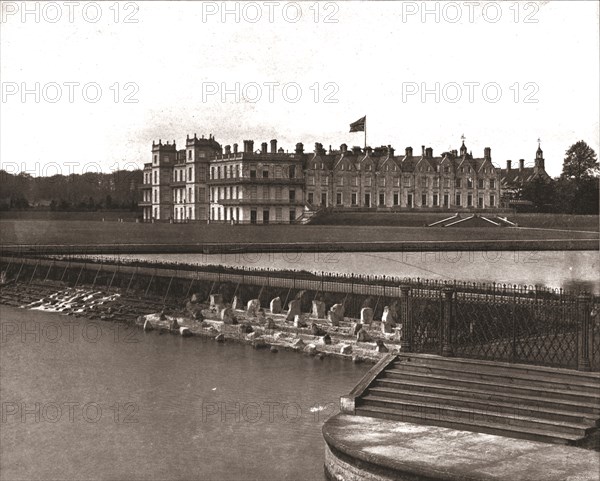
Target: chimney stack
<point>422,151</point>
<point>408,151</point>
<point>487,153</point>
<point>429,152</point>
<point>508,164</point>
<point>343,148</point>
<point>390,150</point>
<point>235,148</point>
<point>521,164</point>
<point>274,146</point>
<point>299,148</point>
<point>227,149</point>
<point>263,148</point>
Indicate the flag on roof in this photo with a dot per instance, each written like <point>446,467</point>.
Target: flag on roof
<point>359,125</point>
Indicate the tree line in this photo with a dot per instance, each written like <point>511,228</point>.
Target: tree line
<point>575,191</point>
<point>75,192</point>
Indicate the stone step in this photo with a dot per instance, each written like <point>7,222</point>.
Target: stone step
<point>514,377</point>
<point>530,409</point>
<point>477,415</point>
<point>510,369</point>
<point>543,435</point>
<point>591,409</point>
<point>491,385</point>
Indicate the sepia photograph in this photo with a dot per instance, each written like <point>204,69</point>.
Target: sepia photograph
<point>299,240</point>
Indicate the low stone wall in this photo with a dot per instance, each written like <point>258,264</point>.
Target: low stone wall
<point>365,448</point>
<point>341,467</point>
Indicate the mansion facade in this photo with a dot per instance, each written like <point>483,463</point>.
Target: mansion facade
<point>209,183</point>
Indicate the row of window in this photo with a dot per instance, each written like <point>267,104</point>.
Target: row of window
<point>395,168</point>
<point>231,192</point>
<point>201,155</point>
<point>262,216</point>
<point>179,196</point>
<point>407,182</point>
<point>179,213</point>
<point>435,199</point>
<point>235,192</point>
<point>179,176</point>
<point>235,171</point>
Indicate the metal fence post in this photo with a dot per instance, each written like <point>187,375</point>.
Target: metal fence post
<point>405,320</point>
<point>584,326</point>
<point>447,323</point>
<point>34,271</point>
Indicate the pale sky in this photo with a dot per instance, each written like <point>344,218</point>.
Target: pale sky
<point>371,61</point>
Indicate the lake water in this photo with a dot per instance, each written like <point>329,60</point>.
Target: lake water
<point>84,400</point>
<point>570,270</point>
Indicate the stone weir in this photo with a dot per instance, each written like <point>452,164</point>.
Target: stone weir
<point>429,417</point>
<point>360,298</point>
<point>263,316</point>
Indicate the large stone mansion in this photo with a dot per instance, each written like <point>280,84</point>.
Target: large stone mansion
<point>209,183</point>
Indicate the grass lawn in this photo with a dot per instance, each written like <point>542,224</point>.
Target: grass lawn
<point>420,219</point>
<point>178,236</point>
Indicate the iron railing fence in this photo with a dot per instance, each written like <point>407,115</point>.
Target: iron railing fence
<point>359,284</point>
<point>542,331</point>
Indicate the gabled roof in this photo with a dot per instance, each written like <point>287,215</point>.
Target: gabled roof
<point>346,158</point>
<point>428,162</point>
<point>408,163</point>
<point>521,176</point>
<point>391,161</point>
<point>328,161</point>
